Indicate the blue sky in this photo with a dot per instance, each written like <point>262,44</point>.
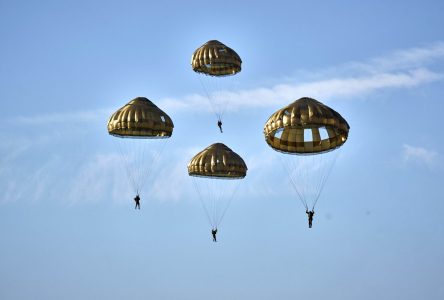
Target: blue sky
<point>68,229</point>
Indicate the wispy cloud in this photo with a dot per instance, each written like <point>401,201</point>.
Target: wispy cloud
<point>421,156</point>
<point>94,178</point>
<point>401,69</point>
<point>21,184</point>
<point>63,117</point>
<point>404,59</point>
<point>98,178</point>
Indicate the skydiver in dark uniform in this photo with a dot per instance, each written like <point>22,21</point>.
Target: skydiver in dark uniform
<point>219,123</point>
<point>214,232</point>
<point>137,200</point>
<point>310,217</point>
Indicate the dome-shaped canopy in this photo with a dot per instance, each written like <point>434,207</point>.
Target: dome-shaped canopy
<point>215,59</point>
<point>140,118</point>
<point>306,126</point>
<point>217,160</point>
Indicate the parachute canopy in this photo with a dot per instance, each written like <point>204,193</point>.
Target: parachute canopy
<point>215,59</point>
<point>306,126</point>
<point>140,118</point>
<point>217,161</point>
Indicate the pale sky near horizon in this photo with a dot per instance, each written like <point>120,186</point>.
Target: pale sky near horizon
<point>68,228</point>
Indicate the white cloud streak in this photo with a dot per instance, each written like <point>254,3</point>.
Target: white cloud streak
<point>421,156</point>
<point>99,178</point>
<point>404,59</point>
<point>333,88</point>
<point>400,69</point>
<point>67,117</point>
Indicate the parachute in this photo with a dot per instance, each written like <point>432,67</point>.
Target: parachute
<point>216,64</point>
<point>216,171</point>
<point>308,132</point>
<point>142,129</point>
<point>215,59</point>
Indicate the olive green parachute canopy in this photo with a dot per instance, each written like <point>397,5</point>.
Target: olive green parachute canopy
<point>284,130</point>
<point>219,161</point>
<point>140,118</point>
<point>215,59</point>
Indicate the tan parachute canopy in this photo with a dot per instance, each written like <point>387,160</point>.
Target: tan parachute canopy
<point>215,59</point>
<point>140,118</point>
<point>217,160</point>
<point>284,130</point>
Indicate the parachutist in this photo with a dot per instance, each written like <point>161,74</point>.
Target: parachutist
<point>310,217</point>
<point>137,200</point>
<point>136,125</point>
<point>215,61</point>
<point>216,185</point>
<point>214,232</point>
<point>219,123</point>
<point>309,157</point>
